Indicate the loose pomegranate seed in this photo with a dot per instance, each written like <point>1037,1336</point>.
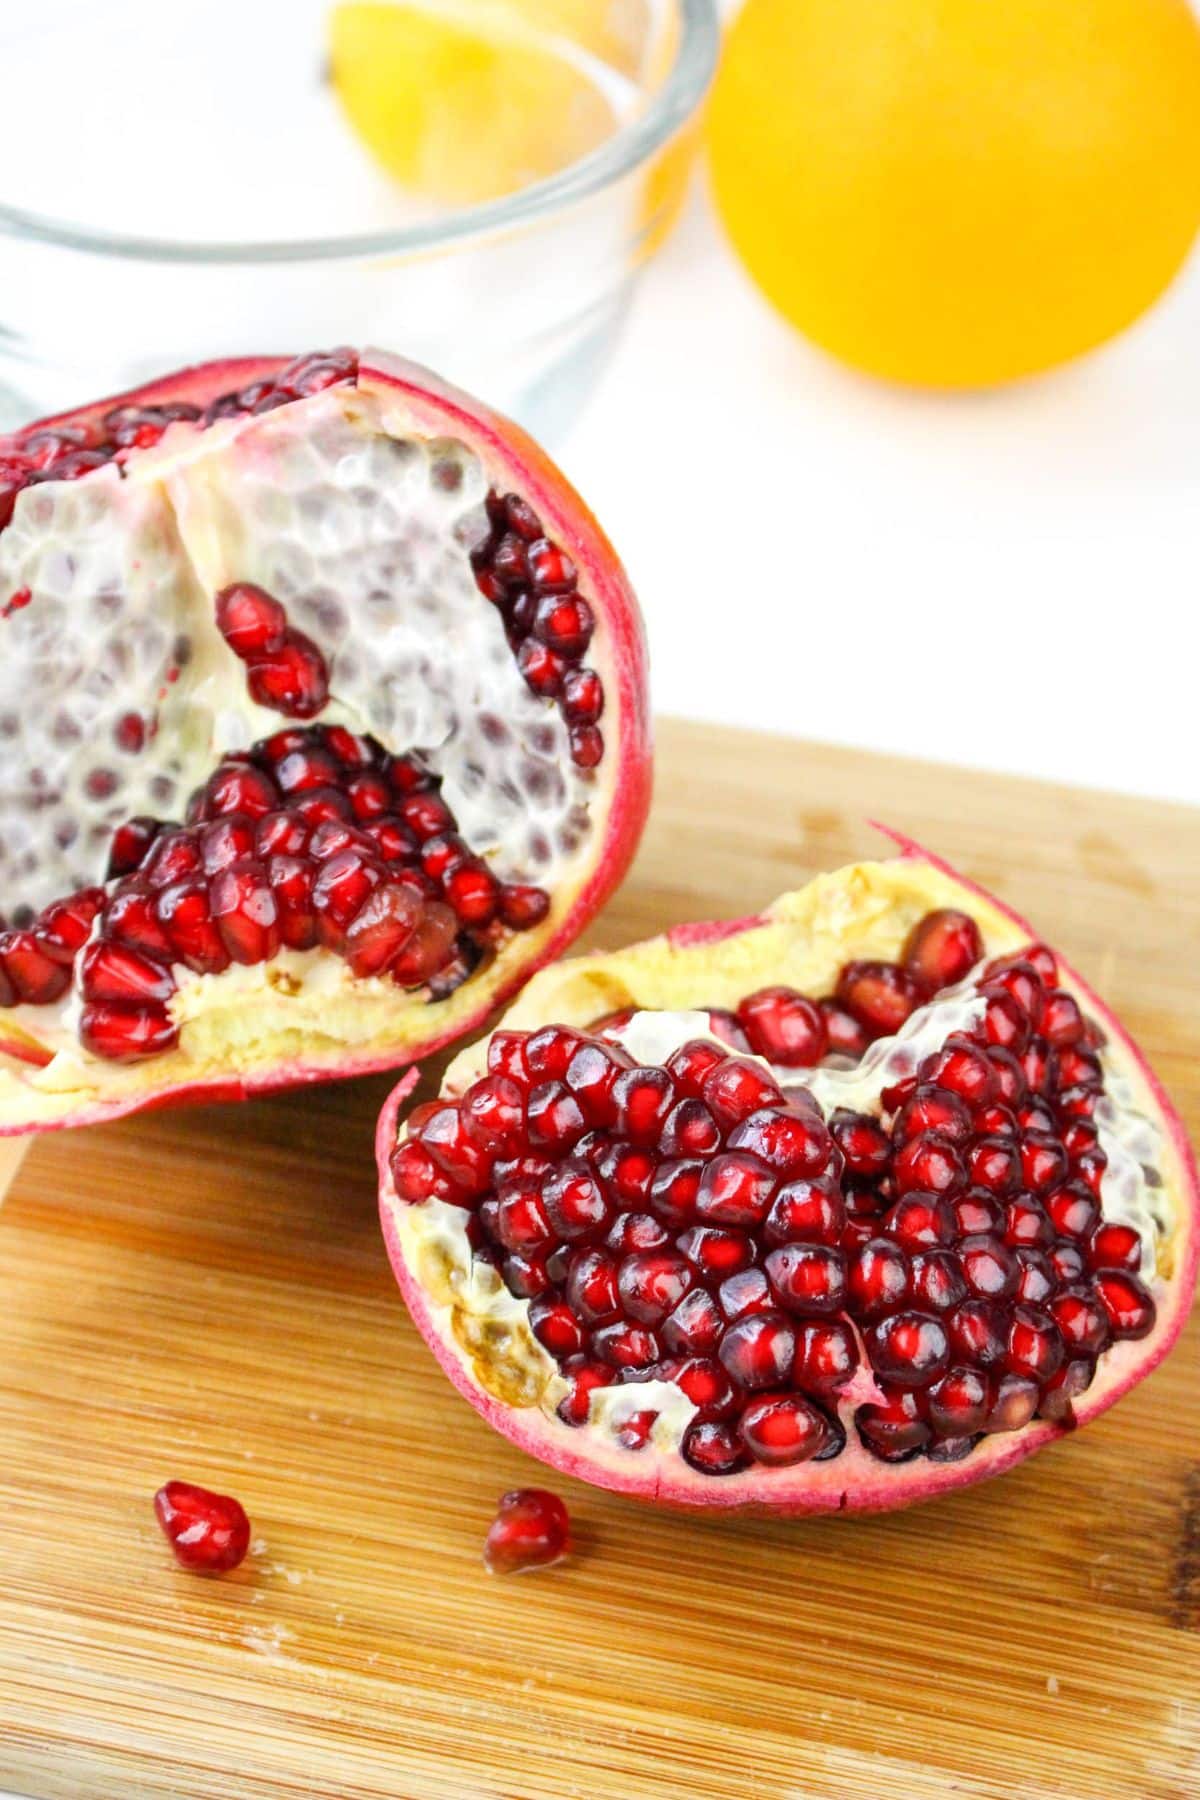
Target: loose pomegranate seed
<point>941,950</point>
<point>531,1530</point>
<point>209,1533</point>
<point>879,995</point>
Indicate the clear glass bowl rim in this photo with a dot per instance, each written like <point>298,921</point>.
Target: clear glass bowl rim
<point>670,109</point>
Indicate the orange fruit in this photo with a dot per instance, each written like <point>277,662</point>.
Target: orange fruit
<point>956,193</point>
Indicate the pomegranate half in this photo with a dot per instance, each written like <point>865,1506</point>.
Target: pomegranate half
<point>323,721</point>
<point>833,1208</point>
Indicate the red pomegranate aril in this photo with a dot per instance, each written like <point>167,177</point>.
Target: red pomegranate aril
<point>249,619</point>
<point>1060,1021</point>
<point>826,1355</point>
<point>879,1278</point>
<point>690,1130</point>
<point>1011,1085</point>
<point>35,977</point>
<point>584,1377</point>
<point>977,1331</point>
<point>550,1051</point>
<point>110,971</point>
<point>637,1231</point>
<point>1073,1211</point>
<point>209,1533</point>
<point>995,1164</point>
<point>633,1433</point>
<point>929,1162</point>
<point>931,1108</point>
<point>126,1034</point>
<point>941,949</point>
<point>531,1530</point>
<point>237,787</point>
<point>909,1348</point>
<point>781,1430</point>
<point>582,697</point>
<point>1081,1318</point>
<point>865,1146</point>
<point>793,1142</point>
<point>1079,1067</point>
<point>591,1075</point>
<point>542,667</point>
<point>245,913</point>
<point>1088,1167</point>
<point>63,928</point>
<point>989,1267</point>
<point>1005,1025</point>
<point>521,1221</point>
<point>937,1281</point>
<point>695,1326</point>
<point>713,1448</point>
<point>556,1328</point>
<point>691,1064</point>
<point>651,1283</point>
<point>574,1201</point>
<point>380,929</point>
<point>643,1099</point>
<point>522,907</point>
<point>629,1175</point>
<point>784,1027</point>
<point>734,1089</point>
<point>428,949</point>
<point>716,1252</point>
<point>705,1383</point>
<point>959,1403</point>
<point>526,1273</point>
<point>748,1291</point>
<point>844,1035</point>
<point>626,1346</point>
<point>129,845</point>
<point>1130,1308</point>
<point>293,680</point>
<point>1035,1344</point>
<point>1039,1065</point>
<point>962,1068</point>
<point>806,1212</point>
<point>735,1189</point>
<point>1036,1279</point>
<point>554,1119</point>
<point>592,1287</point>
<point>1015,1403</point>
<point>977,1212</point>
<point>996,1121</point>
<point>879,995</point>
<point>920,1222</point>
<point>1115,1246</point>
<point>807,1278</point>
<point>1026,1222</point>
<point>724,1026</point>
<point>1063,1389</point>
<point>1020,980</point>
<point>492,1114</point>
<point>893,1429</point>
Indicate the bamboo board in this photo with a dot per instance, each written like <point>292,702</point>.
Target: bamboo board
<point>205,1293</point>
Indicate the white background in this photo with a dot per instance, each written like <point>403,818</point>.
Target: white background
<point>1005,580</point>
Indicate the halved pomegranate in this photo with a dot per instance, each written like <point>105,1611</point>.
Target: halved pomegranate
<point>836,1207</point>
<point>323,721</point>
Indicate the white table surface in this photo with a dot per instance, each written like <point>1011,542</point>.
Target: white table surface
<point>1006,580</point>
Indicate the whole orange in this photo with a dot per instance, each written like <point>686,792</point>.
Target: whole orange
<point>959,192</point>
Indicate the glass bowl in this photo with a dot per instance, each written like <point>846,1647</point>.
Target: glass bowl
<point>193,190</point>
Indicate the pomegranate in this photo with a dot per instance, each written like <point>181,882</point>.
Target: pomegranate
<point>675,1229</point>
<point>323,715</point>
<point>208,1532</point>
<point>531,1530</point>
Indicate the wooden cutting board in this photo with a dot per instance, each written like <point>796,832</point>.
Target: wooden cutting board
<point>205,1293</point>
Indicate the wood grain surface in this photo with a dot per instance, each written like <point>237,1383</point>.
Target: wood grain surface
<point>205,1293</point>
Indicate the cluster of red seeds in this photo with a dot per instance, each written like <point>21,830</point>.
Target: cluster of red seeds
<point>284,668</point>
<point>65,452</point>
<point>313,837</point>
<point>694,1223</point>
<point>548,622</point>
<point>871,1000</point>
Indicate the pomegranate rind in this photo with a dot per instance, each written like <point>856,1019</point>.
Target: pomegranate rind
<point>41,1092</point>
<point>864,910</point>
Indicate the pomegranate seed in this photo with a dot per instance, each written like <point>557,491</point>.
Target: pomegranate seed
<point>293,679</point>
<point>781,1430</point>
<point>959,1403</point>
<point>759,1348</point>
<point>961,1068</point>
<point>977,1332</point>
<point>673,1191</point>
<point>844,1034</point>
<point>35,977</point>
<point>574,1201</point>
<point>1059,1393</point>
<point>826,1355</point>
<point>1035,1344</point>
<point>791,1142</point>
<point>245,913</point>
<point>931,1108</point>
<point>1081,1318</point>
<point>807,1278</point>
<point>521,908</point>
<point>878,994</point>
<point>592,1287</point>
<point>1027,1223</point>
<point>651,1284</point>
<point>643,1099</point>
<point>735,1189</point>
<point>1015,1403</point>
<point>521,1221</point>
<point>556,1328</point>
<point>114,972</point>
<point>129,845</point>
<point>531,1530</point>
<point>64,927</point>
<point>690,1130</point>
<point>1131,1311</point>
<point>920,1222</point>
<point>989,1267</point>
<point>862,1141</point>
<point>784,1027</point>
<point>1035,1276</point>
<point>1073,1211</point>
<point>716,1253</point>
<point>379,930</point>
<point>549,1052</point>
<point>1115,1247</point>
<point>937,1281</point>
<point>428,949</point>
<point>909,1348</point>
<point>691,1064</point>
<point>976,1212</point>
<point>746,1292</point>
<point>695,1326</point>
<point>582,697</point>
<point>637,1231</point>
<point>734,1089</point>
<point>584,1377</point>
<point>929,1162</point>
<point>994,1163</point>
<point>251,622</point>
<point>878,1278</point>
<point>626,1346</point>
<point>892,1430</point>
<point>209,1533</point>
<point>806,1212</point>
<point>941,950</point>
<point>121,1034</point>
<point>713,1448</point>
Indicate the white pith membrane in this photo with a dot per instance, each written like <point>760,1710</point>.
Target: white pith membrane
<point>363,529</point>
<point>481,1331</point>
